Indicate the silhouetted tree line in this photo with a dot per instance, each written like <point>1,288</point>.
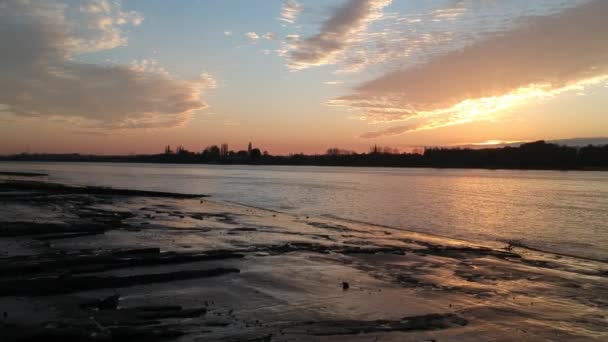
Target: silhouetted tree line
<point>536,155</point>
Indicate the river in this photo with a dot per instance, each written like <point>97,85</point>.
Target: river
<point>559,211</point>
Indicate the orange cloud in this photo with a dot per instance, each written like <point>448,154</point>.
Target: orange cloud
<point>542,57</point>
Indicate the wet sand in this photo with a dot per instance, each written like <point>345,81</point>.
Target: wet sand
<point>99,264</point>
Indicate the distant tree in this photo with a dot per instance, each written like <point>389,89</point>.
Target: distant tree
<point>385,150</point>
<point>334,151</point>
<point>255,154</point>
<point>212,153</point>
<point>390,150</point>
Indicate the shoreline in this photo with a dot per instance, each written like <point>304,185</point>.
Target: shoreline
<point>163,268</point>
<point>489,168</point>
<point>489,243</point>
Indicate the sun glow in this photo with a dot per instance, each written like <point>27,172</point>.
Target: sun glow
<point>485,108</point>
<point>494,142</point>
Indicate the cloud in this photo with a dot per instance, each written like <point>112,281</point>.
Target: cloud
<point>252,35</point>
<point>148,66</point>
<point>452,12</point>
<point>269,36</point>
<point>227,33</point>
<point>397,130</point>
<point>333,82</point>
<point>541,57</point>
<point>40,76</point>
<point>402,39</point>
<point>289,11</point>
<point>337,33</point>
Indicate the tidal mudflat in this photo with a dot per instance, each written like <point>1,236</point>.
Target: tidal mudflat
<point>99,264</point>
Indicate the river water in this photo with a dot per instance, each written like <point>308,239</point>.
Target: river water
<point>554,210</point>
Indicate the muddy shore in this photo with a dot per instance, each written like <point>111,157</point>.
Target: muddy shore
<point>100,264</point>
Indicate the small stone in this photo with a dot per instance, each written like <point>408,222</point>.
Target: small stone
<point>345,286</point>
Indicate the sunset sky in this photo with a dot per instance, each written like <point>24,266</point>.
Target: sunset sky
<point>131,76</point>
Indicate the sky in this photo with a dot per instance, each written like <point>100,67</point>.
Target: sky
<point>132,76</point>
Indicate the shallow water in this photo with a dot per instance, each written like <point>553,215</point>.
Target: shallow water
<point>560,211</point>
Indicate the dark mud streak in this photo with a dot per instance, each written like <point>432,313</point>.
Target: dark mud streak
<point>23,174</point>
<point>222,217</point>
<point>51,237</point>
<point>336,227</point>
<point>324,249</point>
<point>15,229</point>
<point>414,323</point>
<point>78,262</point>
<point>45,286</point>
<point>467,252</point>
<point>129,324</point>
<point>55,188</point>
<point>452,252</point>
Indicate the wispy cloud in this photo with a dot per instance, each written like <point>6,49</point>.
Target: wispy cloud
<point>393,39</point>
<point>252,35</point>
<point>289,11</point>
<point>148,66</point>
<point>269,36</point>
<point>540,58</point>
<point>457,9</point>
<point>337,33</point>
<point>41,77</point>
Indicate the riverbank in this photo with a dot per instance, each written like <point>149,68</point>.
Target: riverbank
<point>538,155</point>
<point>90,264</point>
